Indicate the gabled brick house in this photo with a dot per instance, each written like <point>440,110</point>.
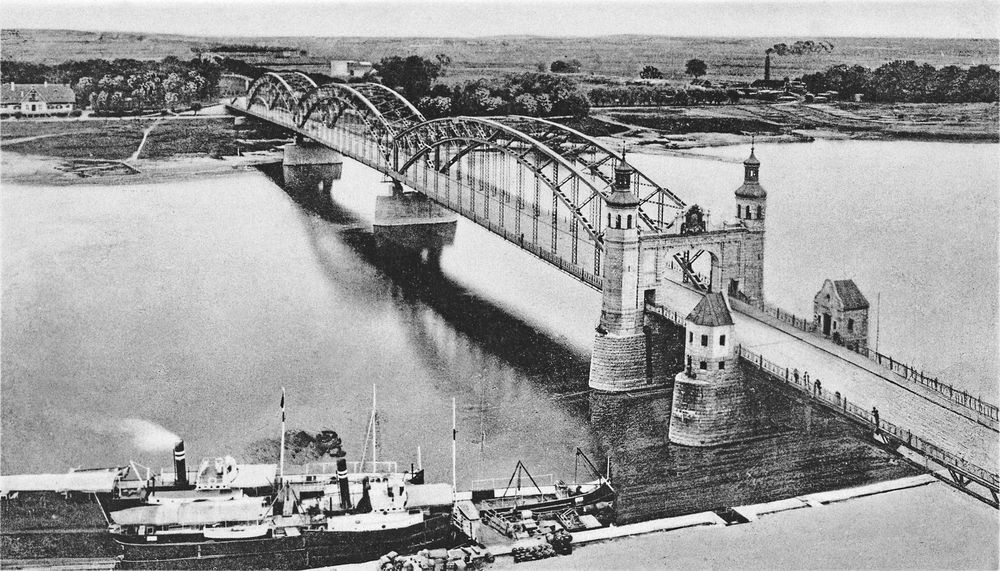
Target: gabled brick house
<point>36,99</point>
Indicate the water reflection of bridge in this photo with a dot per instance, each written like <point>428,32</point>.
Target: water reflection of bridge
<point>574,203</point>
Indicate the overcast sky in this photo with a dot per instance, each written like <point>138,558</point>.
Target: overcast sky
<point>807,18</point>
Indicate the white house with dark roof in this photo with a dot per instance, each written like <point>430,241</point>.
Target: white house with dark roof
<point>36,99</point>
<point>841,313</point>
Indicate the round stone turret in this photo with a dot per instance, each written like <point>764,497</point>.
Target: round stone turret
<point>708,399</point>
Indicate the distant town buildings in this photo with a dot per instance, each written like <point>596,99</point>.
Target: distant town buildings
<point>349,68</point>
<point>36,99</point>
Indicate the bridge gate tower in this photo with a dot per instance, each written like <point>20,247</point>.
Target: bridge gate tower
<point>629,353</point>
<point>751,210</point>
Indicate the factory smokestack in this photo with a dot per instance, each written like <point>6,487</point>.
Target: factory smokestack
<point>180,466</point>
<point>767,66</point>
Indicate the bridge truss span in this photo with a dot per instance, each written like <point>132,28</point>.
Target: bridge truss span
<point>536,183</point>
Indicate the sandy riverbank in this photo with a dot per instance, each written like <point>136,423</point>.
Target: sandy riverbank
<point>38,170</point>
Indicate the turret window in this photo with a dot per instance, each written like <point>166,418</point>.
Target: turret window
<point>618,222</point>
<point>748,212</point>
<point>690,337</point>
<point>609,220</point>
<point>722,340</point>
<point>629,224</point>
<point>703,366</point>
<point>704,340</point>
<point>722,365</point>
<point>850,325</point>
<point>760,212</point>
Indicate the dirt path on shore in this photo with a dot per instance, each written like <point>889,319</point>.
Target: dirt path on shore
<point>145,137</point>
<point>36,137</point>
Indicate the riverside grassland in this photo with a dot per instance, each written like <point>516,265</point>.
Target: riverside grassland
<point>732,59</point>
<point>610,60</point>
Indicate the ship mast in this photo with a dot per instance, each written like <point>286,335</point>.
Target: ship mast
<point>370,430</point>
<point>454,433</point>
<point>281,469</point>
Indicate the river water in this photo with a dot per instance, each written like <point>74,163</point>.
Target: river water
<point>189,305</point>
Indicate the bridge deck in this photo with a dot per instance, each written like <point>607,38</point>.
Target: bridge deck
<point>903,404</point>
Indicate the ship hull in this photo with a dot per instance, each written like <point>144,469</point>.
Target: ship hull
<point>311,549</point>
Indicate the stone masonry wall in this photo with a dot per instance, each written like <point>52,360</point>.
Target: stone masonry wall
<point>708,412</point>
<point>643,360</point>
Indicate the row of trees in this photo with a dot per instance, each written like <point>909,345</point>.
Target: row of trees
<point>906,82</point>
<point>149,90</point>
<point>654,95</point>
<point>120,85</point>
<point>565,66</point>
<point>531,94</point>
<point>694,67</point>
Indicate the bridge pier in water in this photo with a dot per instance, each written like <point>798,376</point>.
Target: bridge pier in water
<point>311,166</point>
<point>412,222</point>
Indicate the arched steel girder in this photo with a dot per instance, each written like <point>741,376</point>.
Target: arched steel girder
<point>471,133</point>
<point>285,88</point>
<point>596,157</point>
<point>332,100</point>
<point>396,109</point>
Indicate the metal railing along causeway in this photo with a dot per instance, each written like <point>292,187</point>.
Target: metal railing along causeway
<point>903,435</point>
<point>957,396</point>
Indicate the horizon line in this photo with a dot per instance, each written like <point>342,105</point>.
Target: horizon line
<point>391,36</point>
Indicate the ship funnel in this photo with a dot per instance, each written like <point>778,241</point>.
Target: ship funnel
<point>345,490</point>
<point>180,466</point>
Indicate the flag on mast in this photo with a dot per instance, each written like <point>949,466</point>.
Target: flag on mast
<point>282,404</point>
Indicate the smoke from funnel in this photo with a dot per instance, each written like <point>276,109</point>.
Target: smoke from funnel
<point>148,436</point>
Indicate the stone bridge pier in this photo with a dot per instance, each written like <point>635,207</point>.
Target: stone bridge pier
<point>412,222</point>
<point>311,166</point>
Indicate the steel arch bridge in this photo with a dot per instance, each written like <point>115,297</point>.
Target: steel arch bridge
<point>536,183</point>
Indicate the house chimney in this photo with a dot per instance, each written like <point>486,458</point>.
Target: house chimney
<point>180,466</point>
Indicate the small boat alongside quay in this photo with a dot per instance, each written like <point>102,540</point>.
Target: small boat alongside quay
<point>525,509</point>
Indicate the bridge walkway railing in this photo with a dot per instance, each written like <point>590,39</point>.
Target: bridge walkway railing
<point>838,402</point>
<point>988,410</point>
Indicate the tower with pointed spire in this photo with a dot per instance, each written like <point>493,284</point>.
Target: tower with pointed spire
<point>626,354</point>
<point>709,399</point>
<point>751,213</point>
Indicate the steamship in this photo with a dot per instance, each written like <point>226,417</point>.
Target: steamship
<point>232,516</point>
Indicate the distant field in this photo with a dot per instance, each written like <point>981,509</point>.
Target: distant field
<point>617,56</point>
